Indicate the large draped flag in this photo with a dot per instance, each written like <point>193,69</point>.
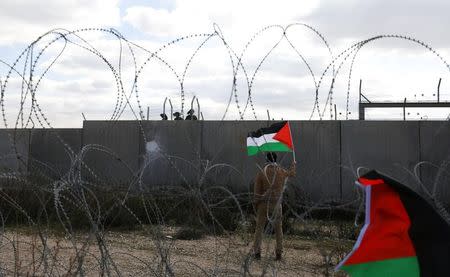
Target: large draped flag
<point>403,234</point>
<point>275,138</point>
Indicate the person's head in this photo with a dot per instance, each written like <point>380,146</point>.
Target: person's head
<point>177,114</point>
<point>191,111</point>
<point>271,157</point>
<point>163,116</point>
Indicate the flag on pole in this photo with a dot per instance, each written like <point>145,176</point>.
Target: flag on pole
<point>403,235</point>
<point>275,138</point>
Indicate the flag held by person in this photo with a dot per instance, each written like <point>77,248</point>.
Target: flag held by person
<point>275,138</point>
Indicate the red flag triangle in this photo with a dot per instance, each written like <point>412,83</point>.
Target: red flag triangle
<point>284,135</point>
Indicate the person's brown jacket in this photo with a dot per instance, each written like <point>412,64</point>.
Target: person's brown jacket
<point>269,183</point>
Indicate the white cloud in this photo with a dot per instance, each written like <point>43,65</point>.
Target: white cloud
<point>81,82</point>
<point>160,22</point>
<point>23,21</point>
<point>426,20</point>
<point>236,17</point>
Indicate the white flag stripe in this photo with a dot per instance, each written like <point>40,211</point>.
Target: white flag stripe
<point>251,141</point>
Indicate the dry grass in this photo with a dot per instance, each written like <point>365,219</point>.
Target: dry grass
<point>135,254</point>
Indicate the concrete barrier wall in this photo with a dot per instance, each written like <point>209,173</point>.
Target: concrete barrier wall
<point>113,150</point>
<point>318,171</point>
<point>329,153</point>
<point>52,151</point>
<point>170,151</point>
<point>14,149</point>
<point>435,154</point>
<point>224,146</point>
<point>318,157</point>
<point>388,147</point>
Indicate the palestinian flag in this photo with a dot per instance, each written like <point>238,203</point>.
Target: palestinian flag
<point>403,235</point>
<point>276,138</point>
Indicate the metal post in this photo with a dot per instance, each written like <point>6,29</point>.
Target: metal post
<point>192,102</point>
<point>171,109</point>
<point>164,107</point>
<point>268,115</point>
<point>438,89</point>
<point>404,109</point>
<point>360,85</point>
<point>83,116</point>
<point>361,108</point>
<point>198,108</point>
<point>361,112</point>
<point>335,112</point>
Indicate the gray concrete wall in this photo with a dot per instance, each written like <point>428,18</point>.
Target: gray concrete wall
<point>114,150</point>
<point>170,151</point>
<point>318,158</point>
<point>14,149</point>
<point>435,154</point>
<point>389,147</point>
<point>175,152</point>
<point>224,146</point>
<point>50,150</point>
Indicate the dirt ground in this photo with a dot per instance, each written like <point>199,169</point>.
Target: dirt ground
<point>136,253</point>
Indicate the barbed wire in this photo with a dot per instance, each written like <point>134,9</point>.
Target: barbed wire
<point>85,199</point>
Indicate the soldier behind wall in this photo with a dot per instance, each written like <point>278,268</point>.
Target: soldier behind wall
<point>177,116</point>
<point>163,116</point>
<point>191,115</point>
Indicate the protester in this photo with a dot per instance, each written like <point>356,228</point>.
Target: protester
<point>268,193</point>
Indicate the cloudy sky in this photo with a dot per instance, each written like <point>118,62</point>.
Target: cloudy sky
<point>78,81</point>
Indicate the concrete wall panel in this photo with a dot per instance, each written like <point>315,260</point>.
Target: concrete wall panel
<point>119,137</point>
<point>391,148</point>
<point>225,142</point>
<point>175,152</point>
<point>435,153</point>
<point>170,150</point>
<point>315,145</point>
<point>14,149</point>
<point>49,150</point>
<point>317,153</point>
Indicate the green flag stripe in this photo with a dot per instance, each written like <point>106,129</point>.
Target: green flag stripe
<point>268,147</point>
<point>402,267</point>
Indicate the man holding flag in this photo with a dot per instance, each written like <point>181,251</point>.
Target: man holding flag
<point>270,181</point>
